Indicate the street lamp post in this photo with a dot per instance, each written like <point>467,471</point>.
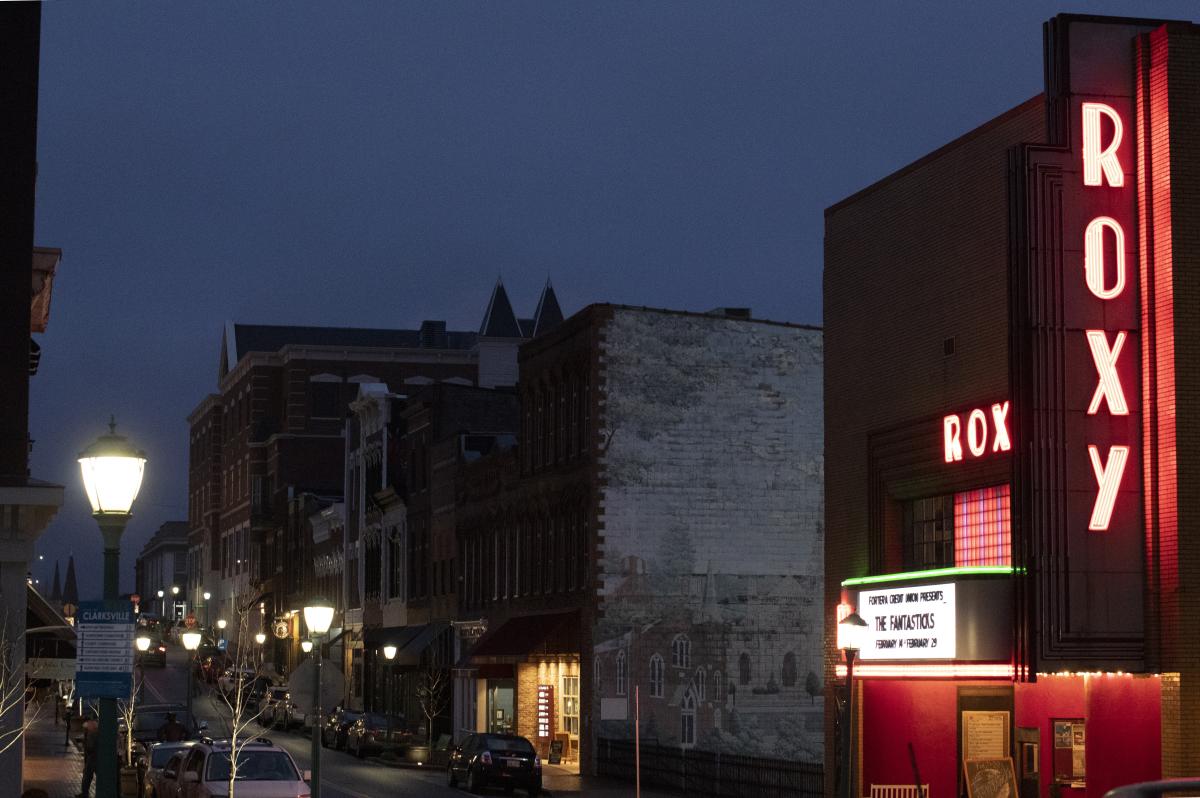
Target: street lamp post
<point>174,601</point>
<point>389,653</point>
<point>207,612</point>
<point>143,645</point>
<point>318,615</point>
<point>191,642</point>
<point>162,606</point>
<point>851,635</point>
<point>112,471</point>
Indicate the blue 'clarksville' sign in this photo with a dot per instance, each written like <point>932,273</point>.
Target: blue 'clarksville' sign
<point>104,651</point>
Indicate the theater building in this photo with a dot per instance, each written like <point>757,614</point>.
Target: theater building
<point>1012,437</point>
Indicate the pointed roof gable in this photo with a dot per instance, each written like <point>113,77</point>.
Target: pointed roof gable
<point>56,588</point>
<point>499,321</point>
<point>70,589</point>
<point>548,314</point>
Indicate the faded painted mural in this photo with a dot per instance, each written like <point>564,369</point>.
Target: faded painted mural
<point>712,553</point>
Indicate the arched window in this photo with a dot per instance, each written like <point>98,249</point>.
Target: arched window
<point>681,651</point>
<point>656,676</point>
<point>700,686</point>
<point>744,668</point>
<point>789,670</point>
<point>687,720</point>
<point>621,675</point>
<point>597,671</point>
<point>717,686</point>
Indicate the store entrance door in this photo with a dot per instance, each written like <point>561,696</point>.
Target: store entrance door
<point>501,707</point>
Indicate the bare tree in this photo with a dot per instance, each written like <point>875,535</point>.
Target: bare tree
<point>13,679</point>
<point>433,693</point>
<point>248,657</point>
<point>127,710</point>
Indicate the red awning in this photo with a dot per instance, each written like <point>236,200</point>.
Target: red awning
<point>518,638</point>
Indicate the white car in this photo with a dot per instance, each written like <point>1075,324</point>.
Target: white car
<point>264,771</point>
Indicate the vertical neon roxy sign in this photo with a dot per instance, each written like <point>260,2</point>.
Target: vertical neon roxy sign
<point>1106,282</point>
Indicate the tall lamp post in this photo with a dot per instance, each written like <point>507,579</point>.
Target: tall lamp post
<point>389,653</point>
<point>207,612</point>
<point>143,645</point>
<point>191,642</point>
<point>112,472</point>
<point>851,634</point>
<point>174,601</point>
<point>162,606</point>
<point>318,615</point>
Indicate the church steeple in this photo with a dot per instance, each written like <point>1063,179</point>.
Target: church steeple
<point>70,589</point>
<point>548,314</point>
<point>56,589</point>
<point>500,321</point>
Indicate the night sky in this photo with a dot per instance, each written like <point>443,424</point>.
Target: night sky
<point>376,164</point>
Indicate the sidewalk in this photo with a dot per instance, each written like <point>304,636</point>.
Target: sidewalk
<point>51,764</point>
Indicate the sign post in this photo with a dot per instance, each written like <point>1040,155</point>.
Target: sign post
<point>104,660</point>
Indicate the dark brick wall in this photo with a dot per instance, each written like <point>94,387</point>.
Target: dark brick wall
<point>914,260</point>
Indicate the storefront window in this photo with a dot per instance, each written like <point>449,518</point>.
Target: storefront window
<point>500,706</point>
<point>570,704</point>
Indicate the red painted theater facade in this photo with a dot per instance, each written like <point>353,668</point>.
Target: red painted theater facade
<point>1013,436</point>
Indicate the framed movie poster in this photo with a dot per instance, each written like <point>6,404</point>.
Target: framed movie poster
<point>1070,750</point>
<point>991,778</point>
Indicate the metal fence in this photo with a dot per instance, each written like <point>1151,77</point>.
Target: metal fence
<point>705,773</point>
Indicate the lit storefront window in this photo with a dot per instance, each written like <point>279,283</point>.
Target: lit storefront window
<point>570,704</point>
<point>983,527</point>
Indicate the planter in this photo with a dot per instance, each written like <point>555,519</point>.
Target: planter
<point>129,783</point>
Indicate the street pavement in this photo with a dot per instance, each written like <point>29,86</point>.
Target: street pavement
<point>344,776</point>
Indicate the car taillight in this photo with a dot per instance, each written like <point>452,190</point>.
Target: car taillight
<point>537,762</point>
<point>486,757</point>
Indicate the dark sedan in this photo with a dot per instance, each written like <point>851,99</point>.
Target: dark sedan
<point>337,726</point>
<point>372,734</point>
<point>155,656</point>
<point>496,760</point>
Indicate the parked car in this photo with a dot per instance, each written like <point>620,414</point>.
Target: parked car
<point>337,725</point>
<point>264,771</point>
<point>165,783</point>
<point>497,760</point>
<point>155,763</point>
<point>228,682</point>
<point>149,718</point>
<point>272,700</point>
<point>156,655</point>
<point>373,733</point>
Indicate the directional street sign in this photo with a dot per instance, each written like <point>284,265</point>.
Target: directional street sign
<point>104,652</point>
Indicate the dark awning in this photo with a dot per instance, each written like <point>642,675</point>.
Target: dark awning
<point>549,634</point>
<point>410,641</point>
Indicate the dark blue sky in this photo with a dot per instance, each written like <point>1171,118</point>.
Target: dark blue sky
<point>376,164</point>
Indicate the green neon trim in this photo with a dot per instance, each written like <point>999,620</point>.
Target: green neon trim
<point>936,573</point>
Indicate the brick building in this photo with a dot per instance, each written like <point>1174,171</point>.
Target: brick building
<point>659,526</point>
<point>275,431</point>
<point>1008,434</point>
<point>162,565</point>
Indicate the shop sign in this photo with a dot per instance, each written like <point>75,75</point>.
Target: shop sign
<point>545,711</point>
<point>983,432</point>
<point>909,623</point>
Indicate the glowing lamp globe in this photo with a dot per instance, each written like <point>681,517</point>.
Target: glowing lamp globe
<point>306,646</point>
<point>112,472</point>
<point>160,594</point>
<point>175,590</point>
<point>191,640</point>
<point>260,638</point>
<point>207,595</point>
<point>143,643</point>
<point>221,623</point>
<point>389,651</point>
<point>852,633</point>
<point>318,615</point>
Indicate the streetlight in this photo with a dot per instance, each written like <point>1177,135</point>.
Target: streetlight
<point>389,652</point>
<point>174,602</point>
<point>318,615</point>
<point>260,638</point>
<point>191,641</point>
<point>306,646</point>
<point>143,645</point>
<point>112,471</point>
<point>207,612</point>
<point>162,606</point>
<point>851,635</point>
